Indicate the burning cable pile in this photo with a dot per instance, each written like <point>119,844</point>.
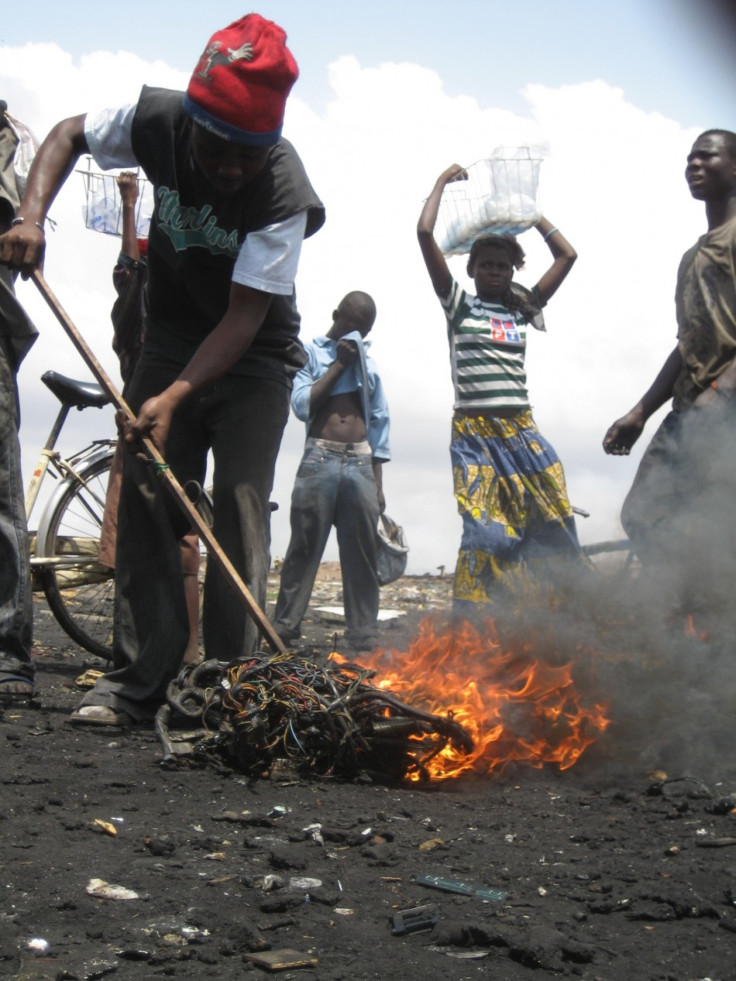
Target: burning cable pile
<point>327,720</point>
<point>518,706</point>
<point>483,705</point>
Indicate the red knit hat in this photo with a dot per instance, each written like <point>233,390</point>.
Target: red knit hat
<point>238,90</point>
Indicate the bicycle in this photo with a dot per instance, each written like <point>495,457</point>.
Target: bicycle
<point>64,550</point>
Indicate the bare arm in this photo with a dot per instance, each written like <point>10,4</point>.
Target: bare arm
<point>378,475</point>
<point>23,246</point>
<point>217,353</point>
<point>622,435</point>
<point>128,185</point>
<point>433,258</point>
<point>563,256</point>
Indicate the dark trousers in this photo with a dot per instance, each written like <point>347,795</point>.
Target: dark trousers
<point>680,513</point>
<point>241,419</point>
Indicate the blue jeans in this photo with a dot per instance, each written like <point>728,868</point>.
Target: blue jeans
<point>16,598</point>
<point>241,419</point>
<point>334,486</point>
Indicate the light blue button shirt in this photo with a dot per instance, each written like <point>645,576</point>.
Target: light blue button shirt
<point>361,376</point>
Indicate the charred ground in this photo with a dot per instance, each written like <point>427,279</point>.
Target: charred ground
<point>622,867</point>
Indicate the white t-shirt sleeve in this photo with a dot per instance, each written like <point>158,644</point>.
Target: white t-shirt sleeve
<point>108,134</point>
<point>269,258</point>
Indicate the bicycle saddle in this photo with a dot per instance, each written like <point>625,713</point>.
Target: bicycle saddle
<point>81,394</point>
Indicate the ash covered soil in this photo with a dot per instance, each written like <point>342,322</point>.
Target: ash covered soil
<point>623,866</point>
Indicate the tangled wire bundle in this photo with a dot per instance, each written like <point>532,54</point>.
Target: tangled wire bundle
<point>328,720</point>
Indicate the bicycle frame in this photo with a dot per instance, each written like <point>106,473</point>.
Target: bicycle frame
<point>71,469</point>
<point>64,549</point>
<point>71,394</point>
<point>73,475</point>
<point>48,456</point>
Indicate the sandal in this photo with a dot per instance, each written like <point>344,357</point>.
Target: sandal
<point>15,687</point>
<point>99,715</point>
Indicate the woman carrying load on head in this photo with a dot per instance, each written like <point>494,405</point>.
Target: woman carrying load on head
<point>509,483</point>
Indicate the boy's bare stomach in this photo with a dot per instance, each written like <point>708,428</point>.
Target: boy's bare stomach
<point>340,419</point>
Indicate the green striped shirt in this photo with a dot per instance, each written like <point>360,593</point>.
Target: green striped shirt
<point>487,349</point>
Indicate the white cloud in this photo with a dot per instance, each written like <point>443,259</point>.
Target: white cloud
<point>613,183</point>
<point>43,84</point>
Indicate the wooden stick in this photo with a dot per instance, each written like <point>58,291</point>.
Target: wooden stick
<point>203,530</point>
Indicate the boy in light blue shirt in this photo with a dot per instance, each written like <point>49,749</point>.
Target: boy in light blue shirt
<point>339,395</point>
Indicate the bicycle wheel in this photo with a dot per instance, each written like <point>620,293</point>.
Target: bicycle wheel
<point>80,591</point>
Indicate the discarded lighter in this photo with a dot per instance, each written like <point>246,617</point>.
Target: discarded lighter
<point>415,919</point>
<point>462,888</point>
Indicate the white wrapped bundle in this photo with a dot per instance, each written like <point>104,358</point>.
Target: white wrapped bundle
<point>103,208</point>
<point>499,196</point>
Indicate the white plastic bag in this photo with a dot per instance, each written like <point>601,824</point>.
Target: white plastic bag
<point>24,152</point>
<point>392,550</point>
<point>102,211</point>
<point>500,196</point>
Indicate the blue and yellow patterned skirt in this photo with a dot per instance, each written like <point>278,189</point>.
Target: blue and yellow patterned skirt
<point>511,495</point>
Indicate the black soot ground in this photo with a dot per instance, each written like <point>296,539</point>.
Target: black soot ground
<point>622,867</point>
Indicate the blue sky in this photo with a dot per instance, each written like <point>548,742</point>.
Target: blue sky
<point>671,56</point>
<point>389,95</point>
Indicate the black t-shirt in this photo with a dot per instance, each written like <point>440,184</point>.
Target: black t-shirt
<point>196,236</point>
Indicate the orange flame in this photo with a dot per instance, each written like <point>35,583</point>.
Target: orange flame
<point>516,707</point>
<point>692,631</point>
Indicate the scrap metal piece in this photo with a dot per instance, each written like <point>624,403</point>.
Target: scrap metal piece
<point>415,919</point>
<point>461,888</point>
<point>281,960</point>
